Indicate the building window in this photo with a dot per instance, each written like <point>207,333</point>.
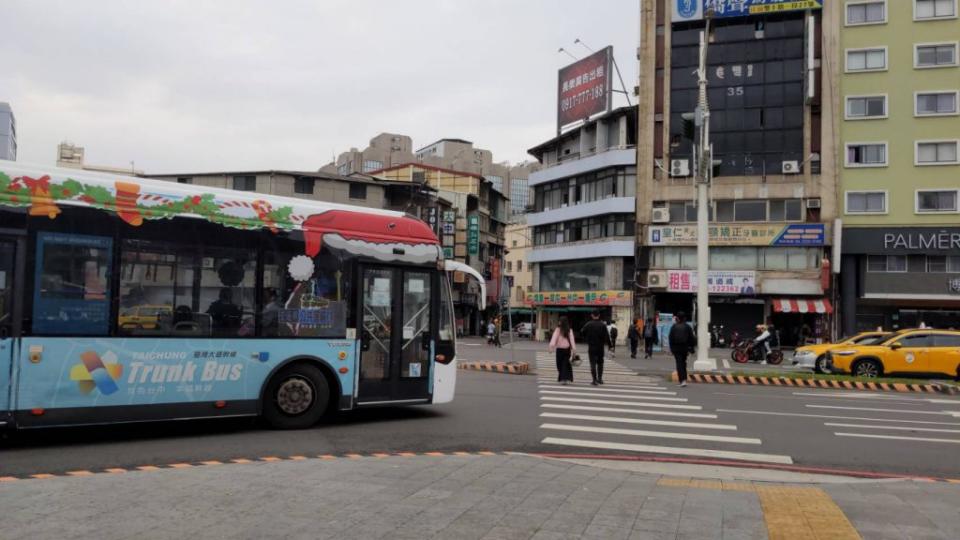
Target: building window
<point>786,210</point>
<point>937,153</point>
<point>370,165</point>
<point>358,190</point>
<point>887,263</point>
<point>184,180</point>
<point>866,155</point>
<point>509,266</point>
<point>572,276</point>
<point>942,264</point>
<point>866,202</point>
<point>245,183</point>
<point>935,55</point>
<point>934,9</point>
<point>303,186</point>
<point>519,266</point>
<point>867,59</point>
<point>866,107</point>
<point>419,177</point>
<point>866,13</point>
<point>936,200</point>
<point>344,168</point>
<point>936,103</point>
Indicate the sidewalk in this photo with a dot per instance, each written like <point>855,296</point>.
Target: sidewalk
<point>461,497</point>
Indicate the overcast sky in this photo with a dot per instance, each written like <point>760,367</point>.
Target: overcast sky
<point>229,85</point>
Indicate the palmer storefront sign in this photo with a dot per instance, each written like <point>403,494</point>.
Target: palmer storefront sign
<point>902,241</point>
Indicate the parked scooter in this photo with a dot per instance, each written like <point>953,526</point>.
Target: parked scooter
<point>717,339</point>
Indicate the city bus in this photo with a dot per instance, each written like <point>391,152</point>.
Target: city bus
<point>129,299</point>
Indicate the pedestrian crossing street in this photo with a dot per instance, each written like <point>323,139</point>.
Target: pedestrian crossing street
<point>633,414</point>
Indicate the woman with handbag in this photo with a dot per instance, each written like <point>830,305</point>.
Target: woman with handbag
<point>562,342</point>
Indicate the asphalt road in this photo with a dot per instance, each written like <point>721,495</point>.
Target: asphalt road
<point>916,434</point>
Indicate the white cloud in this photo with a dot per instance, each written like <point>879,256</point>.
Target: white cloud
<point>200,85</point>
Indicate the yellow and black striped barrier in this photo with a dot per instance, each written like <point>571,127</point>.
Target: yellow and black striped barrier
<point>929,388</point>
<point>516,368</point>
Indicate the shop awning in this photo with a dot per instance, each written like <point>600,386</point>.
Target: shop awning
<point>802,305</point>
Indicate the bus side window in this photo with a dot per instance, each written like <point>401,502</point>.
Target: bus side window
<point>72,285</point>
<point>305,297</point>
<point>227,281</point>
<point>155,290</point>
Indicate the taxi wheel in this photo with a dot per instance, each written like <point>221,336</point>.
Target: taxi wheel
<point>867,368</point>
<point>820,366</point>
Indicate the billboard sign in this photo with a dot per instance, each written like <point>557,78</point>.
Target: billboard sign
<point>718,282</point>
<point>736,234</point>
<point>693,10</point>
<point>580,298</point>
<point>583,88</point>
<point>473,234</point>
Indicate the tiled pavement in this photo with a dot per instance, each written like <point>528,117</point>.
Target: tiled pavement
<point>461,497</point>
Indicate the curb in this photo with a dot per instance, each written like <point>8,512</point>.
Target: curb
<point>515,368</point>
<point>932,388</point>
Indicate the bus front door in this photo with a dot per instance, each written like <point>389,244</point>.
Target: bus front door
<point>11,258</point>
<point>395,335</point>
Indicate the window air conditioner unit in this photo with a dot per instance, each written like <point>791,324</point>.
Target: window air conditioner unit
<point>813,203</point>
<point>791,167</point>
<point>656,280</point>
<point>661,215</point>
<point>679,167</point>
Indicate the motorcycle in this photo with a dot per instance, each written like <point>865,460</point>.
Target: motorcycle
<point>717,339</point>
<point>748,351</point>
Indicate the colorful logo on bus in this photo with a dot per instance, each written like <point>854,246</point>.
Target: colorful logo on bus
<point>96,372</point>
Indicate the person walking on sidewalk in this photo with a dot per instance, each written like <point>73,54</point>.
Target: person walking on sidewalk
<point>563,343</point>
<point>598,338</point>
<point>650,338</point>
<point>633,337</point>
<point>682,341</point>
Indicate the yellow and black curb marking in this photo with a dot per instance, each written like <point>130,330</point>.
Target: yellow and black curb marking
<point>818,383</point>
<point>262,459</point>
<point>516,368</point>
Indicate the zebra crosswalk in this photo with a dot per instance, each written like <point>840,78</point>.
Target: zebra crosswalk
<point>633,414</point>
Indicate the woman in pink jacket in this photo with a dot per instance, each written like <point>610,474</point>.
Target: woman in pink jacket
<point>562,342</point>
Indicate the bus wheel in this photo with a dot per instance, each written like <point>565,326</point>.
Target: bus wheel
<point>296,398</point>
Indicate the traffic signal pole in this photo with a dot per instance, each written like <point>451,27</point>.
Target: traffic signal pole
<point>704,171</point>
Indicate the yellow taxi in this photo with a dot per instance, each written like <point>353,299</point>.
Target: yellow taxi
<point>915,351</point>
<point>814,356</point>
<point>145,317</point>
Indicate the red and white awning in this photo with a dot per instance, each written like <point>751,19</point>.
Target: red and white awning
<point>800,305</point>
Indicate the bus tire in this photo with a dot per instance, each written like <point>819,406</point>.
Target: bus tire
<point>296,397</point>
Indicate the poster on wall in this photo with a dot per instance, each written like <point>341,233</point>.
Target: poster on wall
<point>693,10</point>
<point>583,88</point>
<point>743,282</point>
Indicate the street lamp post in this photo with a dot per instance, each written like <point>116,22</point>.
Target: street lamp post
<point>704,165</point>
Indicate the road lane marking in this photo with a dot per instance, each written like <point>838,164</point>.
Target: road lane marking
<point>608,390</point>
<point>899,428</point>
<point>655,434</point>
<point>821,416</point>
<point>584,383</point>
<point>628,411</point>
<point>616,396</point>
<point>901,411</point>
<point>726,364</point>
<point>635,404</point>
<point>897,438</point>
<point>622,420</point>
<point>651,449</point>
<point>864,396</point>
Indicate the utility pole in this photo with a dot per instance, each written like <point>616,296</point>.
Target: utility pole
<point>704,160</point>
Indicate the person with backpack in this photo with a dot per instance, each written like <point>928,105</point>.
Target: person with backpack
<point>682,341</point>
<point>563,343</point>
<point>650,338</point>
<point>597,336</point>
<point>612,331</point>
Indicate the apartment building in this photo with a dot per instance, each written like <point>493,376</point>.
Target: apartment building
<point>772,197</point>
<point>583,222</point>
<point>72,156</point>
<point>8,133</point>
<point>384,150</point>
<point>520,277</point>
<point>899,135</point>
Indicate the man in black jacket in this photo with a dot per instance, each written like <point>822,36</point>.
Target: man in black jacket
<point>682,342</point>
<point>596,335</point>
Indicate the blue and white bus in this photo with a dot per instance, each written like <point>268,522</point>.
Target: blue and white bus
<point>127,299</point>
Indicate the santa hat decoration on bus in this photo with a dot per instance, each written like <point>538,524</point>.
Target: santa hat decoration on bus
<point>383,237</point>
